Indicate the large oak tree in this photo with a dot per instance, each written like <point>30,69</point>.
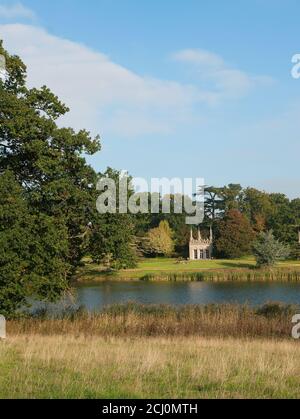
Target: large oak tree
<point>53,190</point>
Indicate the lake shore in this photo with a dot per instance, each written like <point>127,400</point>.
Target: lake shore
<point>161,269</point>
<point>272,320</point>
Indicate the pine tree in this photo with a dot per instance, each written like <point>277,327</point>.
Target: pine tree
<point>267,250</point>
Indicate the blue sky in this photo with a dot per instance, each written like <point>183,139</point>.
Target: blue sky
<point>175,88</point>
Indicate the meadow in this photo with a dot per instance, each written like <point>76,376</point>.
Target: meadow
<point>134,351</point>
<point>72,367</point>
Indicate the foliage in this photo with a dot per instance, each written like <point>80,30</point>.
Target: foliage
<point>295,251</point>
<point>235,235</point>
<point>177,223</point>
<point>45,159</point>
<point>112,239</point>
<point>285,218</point>
<point>33,250</point>
<point>263,210</point>
<point>267,250</point>
<point>258,208</point>
<point>159,240</point>
<point>48,196</point>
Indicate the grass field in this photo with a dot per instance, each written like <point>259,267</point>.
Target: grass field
<point>73,366</point>
<point>164,267</point>
<point>150,352</point>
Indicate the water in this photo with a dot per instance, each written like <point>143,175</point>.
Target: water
<point>96,297</point>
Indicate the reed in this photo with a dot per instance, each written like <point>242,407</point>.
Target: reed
<point>132,320</point>
<point>228,275</point>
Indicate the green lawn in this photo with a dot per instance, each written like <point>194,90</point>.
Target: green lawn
<point>172,264</point>
<point>161,266</point>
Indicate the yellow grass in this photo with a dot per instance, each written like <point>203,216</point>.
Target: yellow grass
<point>133,320</point>
<point>70,366</point>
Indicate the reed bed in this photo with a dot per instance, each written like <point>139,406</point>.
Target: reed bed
<point>228,275</point>
<point>132,320</point>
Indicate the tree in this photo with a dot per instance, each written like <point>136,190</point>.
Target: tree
<point>283,219</point>
<point>213,202</point>
<point>111,236</point>
<point>45,159</point>
<point>258,207</point>
<point>33,251</point>
<point>231,197</point>
<point>234,235</point>
<point>55,188</point>
<point>159,241</point>
<point>295,251</point>
<point>112,241</point>
<point>176,221</point>
<point>267,250</point>
<point>218,201</point>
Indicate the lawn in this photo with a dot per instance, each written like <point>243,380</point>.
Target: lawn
<point>163,266</point>
<point>73,366</point>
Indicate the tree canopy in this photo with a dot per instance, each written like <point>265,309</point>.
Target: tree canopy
<point>267,250</point>
<point>159,241</point>
<point>48,195</point>
<point>235,235</point>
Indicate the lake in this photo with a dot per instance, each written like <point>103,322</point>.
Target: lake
<point>96,297</point>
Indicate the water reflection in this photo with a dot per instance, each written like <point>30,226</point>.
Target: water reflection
<point>95,297</point>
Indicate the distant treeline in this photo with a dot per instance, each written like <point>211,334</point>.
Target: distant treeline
<point>237,216</point>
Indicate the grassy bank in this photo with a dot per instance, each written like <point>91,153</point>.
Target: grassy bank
<point>74,366</point>
<point>212,270</point>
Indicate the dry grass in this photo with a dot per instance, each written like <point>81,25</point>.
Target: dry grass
<point>134,320</point>
<point>70,366</point>
<point>153,352</point>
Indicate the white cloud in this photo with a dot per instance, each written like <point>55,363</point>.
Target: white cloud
<point>16,11</point>
<point>106,96</point>
<point>100,92</point>
<point>199,57</point>
<point>228,80</point>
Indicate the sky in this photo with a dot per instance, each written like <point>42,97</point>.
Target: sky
<point>193,88</point>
